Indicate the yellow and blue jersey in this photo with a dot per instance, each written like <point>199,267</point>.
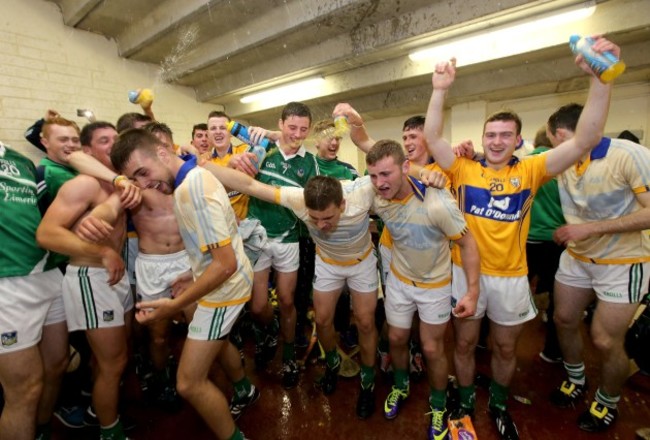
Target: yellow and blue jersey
<point>238,200</point>
<point>496,205</point>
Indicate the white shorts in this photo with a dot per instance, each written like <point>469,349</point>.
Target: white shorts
<point>283,257</point>
<point>506,300</point>
<point>130,255</point>
<point>386,256</point>
<point>360,277</point>
<point>90,303</point>
<point>614,283</point>
<point>56,312</point>
<point>155,274</point>
<point>403,300</point>
<point>24,305</point>
<point>213,323</point>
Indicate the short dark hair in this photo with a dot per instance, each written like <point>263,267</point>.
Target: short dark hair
<point>504,115</point>
<point>216,114</point>
<point>202,126</point>
<point>385,148</point>
<point>323,191</point>
<point>86,135</point>
<point>296,109</point>
<point>130,140</point>
<point>628,135</point>
<point>128,120</point>
<point>414,123</point>
<point>159,127</point>
<point>565,117</point>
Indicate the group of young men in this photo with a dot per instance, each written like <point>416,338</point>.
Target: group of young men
<point>188,211</point>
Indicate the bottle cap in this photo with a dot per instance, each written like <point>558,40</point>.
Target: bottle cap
<point>573,39</point>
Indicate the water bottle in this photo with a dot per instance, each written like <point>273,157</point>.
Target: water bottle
<point>141,96</point>
<point>605,65</point>
<point>240,131</point>
<point>341,126</point>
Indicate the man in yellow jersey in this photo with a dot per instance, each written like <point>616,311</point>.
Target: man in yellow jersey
<point>495,195</point>
<point>606,204</point>
<point>221,151</point>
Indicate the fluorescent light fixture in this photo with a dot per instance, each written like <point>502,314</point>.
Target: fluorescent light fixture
<point>519,37</point>
<point>294,91</point>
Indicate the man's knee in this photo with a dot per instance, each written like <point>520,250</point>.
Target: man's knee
<point>365,323</point>
<point>24,387</point>
<point>397,337</point>
<point>506,350</point>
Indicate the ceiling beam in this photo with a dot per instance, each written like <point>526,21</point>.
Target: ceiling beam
<point>76,10</point>
<point>611,17</point>
<point>270,24</point>
<point>160,21</point>
<point>387,39</point>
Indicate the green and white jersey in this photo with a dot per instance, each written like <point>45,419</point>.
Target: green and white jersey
<point>19,216</point>
<point>55,176</point>
<point>281,170</point>
<point>337,169</point>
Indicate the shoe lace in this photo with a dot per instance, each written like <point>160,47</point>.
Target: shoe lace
<point>395,395</point>
<point>437,418</point>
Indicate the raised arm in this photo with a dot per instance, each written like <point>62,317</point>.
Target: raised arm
<point>242,182</point>
<point>358,133</point>
<point>592,120</point>
<point>440,149</point>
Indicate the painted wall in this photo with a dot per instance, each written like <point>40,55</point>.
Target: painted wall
<point>44,64</point>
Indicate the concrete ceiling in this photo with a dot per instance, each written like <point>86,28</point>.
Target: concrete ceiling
<point>224,49</point>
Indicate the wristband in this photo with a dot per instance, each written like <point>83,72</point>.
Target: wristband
<point>119,178</point>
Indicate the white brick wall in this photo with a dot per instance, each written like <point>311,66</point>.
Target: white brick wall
<point>44,64</point>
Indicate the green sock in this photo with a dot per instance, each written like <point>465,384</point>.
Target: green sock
<point>467,396</point>
<point>367,376</point>
<point>333,359</point>
<point>402,379</point>
<point>237,435</point>
<point>498,395</point>
<point>438,398</point>
<point>576,373</point>
<point>113,432</point>
<point>288,352</point>
<point>242,388</point>
<point>606,400</point>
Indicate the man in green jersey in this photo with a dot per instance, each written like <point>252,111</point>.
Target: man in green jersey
<point>26,296</point>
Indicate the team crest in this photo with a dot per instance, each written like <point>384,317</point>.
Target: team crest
<point>108,316</point>
<point>301,172</point>
<point>9,338</point>
<point>515,182</point>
